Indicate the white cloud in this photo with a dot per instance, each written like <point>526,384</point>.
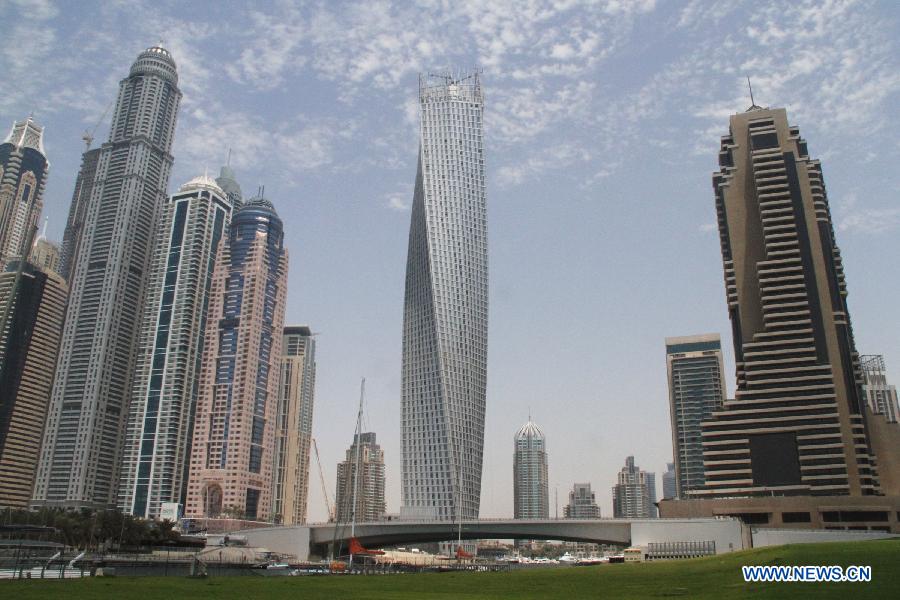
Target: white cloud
<point>870,220</point>
<point>400,201</point>
<point>38,10</point>
<point>565,154</point>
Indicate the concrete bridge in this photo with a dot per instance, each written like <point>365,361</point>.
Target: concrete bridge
<point>313,541</point>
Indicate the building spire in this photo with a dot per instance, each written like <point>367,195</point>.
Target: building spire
<point>753,105</point>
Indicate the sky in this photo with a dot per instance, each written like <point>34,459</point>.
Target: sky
<point>602,127</point>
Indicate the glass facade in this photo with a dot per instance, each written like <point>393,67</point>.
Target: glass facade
<point>530,488</point>
<point>696,389</point>
<point>445,314</point>
<point>157,440</point>
<point>86,424</point>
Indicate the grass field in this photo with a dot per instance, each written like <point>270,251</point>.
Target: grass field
<point>713,577</point>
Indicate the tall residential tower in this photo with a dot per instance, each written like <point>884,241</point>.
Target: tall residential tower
<point>29,341</point>
<point>293,429</point>
<point>369,491</point>
<point>82,448</point>
<point>696,388</point>
<point>632,496</point>
<point>445,315</point>
<point>232,455</point>
<point>796,425</point>
<point>23,174</point>
<point>582,503</point>
<point>531,493</point>
<point>160,418</point>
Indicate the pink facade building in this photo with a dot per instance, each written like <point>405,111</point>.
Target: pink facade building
<point>232,455</point>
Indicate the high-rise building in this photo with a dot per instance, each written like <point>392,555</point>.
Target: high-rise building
<point>369,491</point>
<point>651,491</point>
<point>696,388</point>
<point>85,430</point>
<point>669,482</point>
<point>228,182</point>
<point>84,191</point>
<point>531,493</point>
<point>631,495</point>
<point>582,503</point>
<point>232,455</point>
<point>796,425</point>
<point>23,174</point>
<point>160,417</point>
<point>45,255</point>
<point>293,429</point>
<point>881,396</point>
<point>29,340</point>
<point>445,315</point>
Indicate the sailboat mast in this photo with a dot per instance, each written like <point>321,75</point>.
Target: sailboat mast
<point>356,474</point>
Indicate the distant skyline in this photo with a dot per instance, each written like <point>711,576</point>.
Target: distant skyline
<point>602,125</point>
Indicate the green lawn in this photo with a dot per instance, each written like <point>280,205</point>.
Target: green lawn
<point>713,577</point>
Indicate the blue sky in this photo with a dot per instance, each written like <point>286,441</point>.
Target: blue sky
<point>602,124</point>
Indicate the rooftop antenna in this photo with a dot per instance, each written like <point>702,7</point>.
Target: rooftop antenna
<point>228,161</point>
<point>752,101</point>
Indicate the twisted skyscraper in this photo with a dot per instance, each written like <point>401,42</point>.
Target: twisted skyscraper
<point>86,420</point>
<point>445,316</point>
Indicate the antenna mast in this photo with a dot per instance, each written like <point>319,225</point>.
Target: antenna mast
<point>358,441</point>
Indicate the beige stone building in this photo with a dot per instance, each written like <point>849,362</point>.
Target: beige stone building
<point>796,426</point>
<point>29,341</point>
<point>293,432</point>
<point>369,491</point>
<point>232,455</point>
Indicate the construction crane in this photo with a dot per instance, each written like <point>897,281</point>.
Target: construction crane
<point>88,136</point>
<point>328,503</point>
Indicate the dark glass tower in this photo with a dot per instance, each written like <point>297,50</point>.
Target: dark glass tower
<point>86,422</point>
<point>796,425</point>
<point>696,389</point>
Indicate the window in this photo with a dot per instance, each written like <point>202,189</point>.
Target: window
<point>795,517</point>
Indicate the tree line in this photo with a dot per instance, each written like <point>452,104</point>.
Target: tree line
<point>101,530</point>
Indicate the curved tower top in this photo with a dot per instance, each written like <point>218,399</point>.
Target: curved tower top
<point>529,430</point>
<point>155,60</point>
<point>26,134</point>
<point>258,202</point>
<point>202,182</point>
